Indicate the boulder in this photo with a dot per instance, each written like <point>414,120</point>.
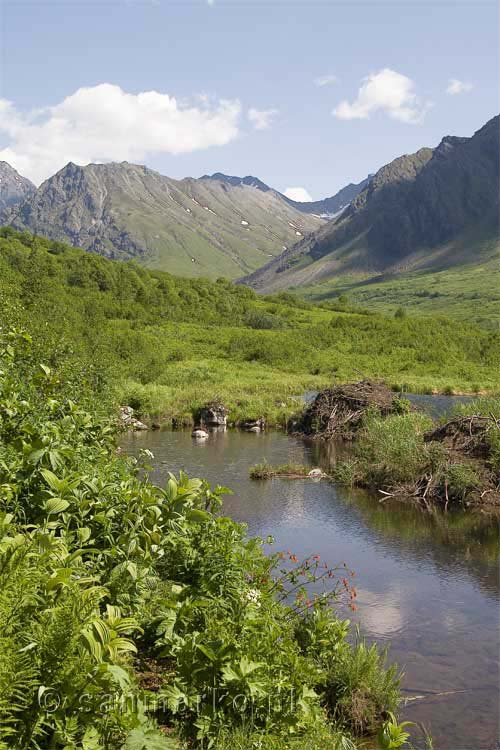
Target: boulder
<point>254,425</point>
<point>213,415</point>
<point>315,474</point>
<point>199,434</point>
<point>128,420</point>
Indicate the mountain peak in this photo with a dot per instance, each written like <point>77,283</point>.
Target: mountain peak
<point>14,188</point>
<point>248,181</point>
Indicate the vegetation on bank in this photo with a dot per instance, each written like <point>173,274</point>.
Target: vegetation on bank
<point>268,471</point>
<point>468,292</point>
<point>136,617</point>
<point>168,345</point>
<point>406,455</point>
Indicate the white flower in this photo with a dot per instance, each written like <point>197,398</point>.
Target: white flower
<point>253,597</point>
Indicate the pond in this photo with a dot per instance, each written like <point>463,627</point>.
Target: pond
<point>428,586</point>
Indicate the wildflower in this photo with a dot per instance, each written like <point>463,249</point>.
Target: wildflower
<point>253,597</point>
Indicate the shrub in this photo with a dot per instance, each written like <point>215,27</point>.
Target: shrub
<point>360,689</point>
<point>391,450</point>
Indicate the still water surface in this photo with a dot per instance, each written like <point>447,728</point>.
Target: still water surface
<point>427,586</point>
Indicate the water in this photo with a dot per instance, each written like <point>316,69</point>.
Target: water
<point>427,586</point>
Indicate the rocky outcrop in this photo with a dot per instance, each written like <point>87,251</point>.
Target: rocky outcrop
<point>14,189</point>
<point>191,227</point>
<point>432,209</point>
<point>129,422</point>
<point>213,415</point>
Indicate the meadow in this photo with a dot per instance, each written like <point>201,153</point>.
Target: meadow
<point>167,345</point>
<point>468,293</point>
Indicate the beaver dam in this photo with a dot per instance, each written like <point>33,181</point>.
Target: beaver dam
<point>399,452</point>
<point>338,412</point>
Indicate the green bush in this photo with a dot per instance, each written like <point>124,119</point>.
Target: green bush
<point>100,568</point>
<point>391,449</point>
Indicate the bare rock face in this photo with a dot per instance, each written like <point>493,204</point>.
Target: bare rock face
<point>213,415</point>
<point>434,208</point>
<point>190,227</point>
<point>14,188</point>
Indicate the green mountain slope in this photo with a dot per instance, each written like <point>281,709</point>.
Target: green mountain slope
<point>434,209</point>
<point>191,227</point>
<point>170,344</point>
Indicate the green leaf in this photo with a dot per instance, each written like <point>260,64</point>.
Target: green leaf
<point>56,505</point>
<point>198,516</point>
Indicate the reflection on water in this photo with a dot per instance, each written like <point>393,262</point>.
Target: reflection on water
<point>428,586</point>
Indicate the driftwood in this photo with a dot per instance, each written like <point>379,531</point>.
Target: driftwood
<point>338,411</point>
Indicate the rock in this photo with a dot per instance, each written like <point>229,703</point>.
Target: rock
<point>199,434</point>
<point>315,474</point>
<point>129,421</point>
<point>136,424</point>
<point>156,426</point>
<point>254,425</point>
<point>213,415</point>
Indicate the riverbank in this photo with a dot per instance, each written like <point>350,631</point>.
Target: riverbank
<point>251,391</point>
<point>425,580</point>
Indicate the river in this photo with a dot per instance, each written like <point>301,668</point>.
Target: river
<point>428,586</point>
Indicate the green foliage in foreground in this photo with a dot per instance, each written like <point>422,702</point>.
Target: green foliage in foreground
<point>168,344</point>
<point>101,570</point>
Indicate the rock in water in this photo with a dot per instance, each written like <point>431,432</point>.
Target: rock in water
<point>199,434</point>
<point>129,421</point>
<point>213,415</point>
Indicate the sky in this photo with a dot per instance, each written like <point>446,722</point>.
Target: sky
<point>308,96</point>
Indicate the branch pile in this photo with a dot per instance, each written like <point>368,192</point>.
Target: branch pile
<point>467,435</point>
<point>338,411</point>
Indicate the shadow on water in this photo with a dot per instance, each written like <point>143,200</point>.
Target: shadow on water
<point>428,585</point>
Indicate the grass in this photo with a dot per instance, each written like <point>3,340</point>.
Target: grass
<point>467,293</point>
<point>268,471</point>
<point>169,345</point>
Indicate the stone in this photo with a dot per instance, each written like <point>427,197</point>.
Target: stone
<point>129,421</point>
<point>213,415</point>
<point>315,474</point>
<point>199,434</point>
<point>254,425</point>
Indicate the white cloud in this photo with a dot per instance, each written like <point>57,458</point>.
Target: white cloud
<point>105,123</point>
<point>325,80</point>
<point>385,91</point>
<point>262,119</point>
<point>298,194</point>
<point>458,87</point>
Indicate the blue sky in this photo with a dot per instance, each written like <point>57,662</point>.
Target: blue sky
<point>309,95</point>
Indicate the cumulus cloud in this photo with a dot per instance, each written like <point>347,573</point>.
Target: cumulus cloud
<point>386,91</point>
<point>298,194</point>
<point>455,86</point>
<point>262,119</point>
<point>325,80</point>
<point>105,123</point>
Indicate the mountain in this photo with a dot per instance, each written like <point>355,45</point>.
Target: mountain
<point>194,227</point>
<point>331,207</point>
<point>433,209</point>
<point>326,208</point>
<point>13,188</point>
